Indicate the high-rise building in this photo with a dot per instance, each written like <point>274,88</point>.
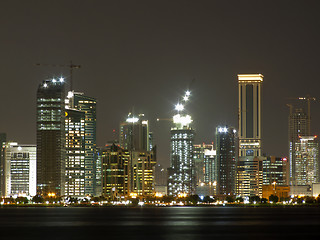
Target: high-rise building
<point>204,169</point>
<point>127,172</point>
<point>204,162</point>
<point>87,105</point>
<point>75,153</point>
<point>249,176</point>
<point>141,174</point>
<point>226,160</point>
<point>275,171</point>
<point>51,137</point>
<point>249,167</point>
<point>306,161</point>
<point>298,126</point>
<point>134,133</point>
<point>98,187</point>
<point>20,169</point>
<point>3,139</point>
<point>181,176</point>
<point>115,172</point>
<point>210,156</point>
<point>250,143</point>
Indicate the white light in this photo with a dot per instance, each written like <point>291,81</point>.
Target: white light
<point>19,148</point>
<point>183,120</point>
<point>188,93</point>
<point>179,107</point>
<point>45,85</point>
<point>53,80</point>
<point>132,120</point>
<point>222,130</point>
<point>61,79</point>
<point>70,94</point>
<point>185,98</point>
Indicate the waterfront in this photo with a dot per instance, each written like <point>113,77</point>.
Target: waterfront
<point>159,223</point>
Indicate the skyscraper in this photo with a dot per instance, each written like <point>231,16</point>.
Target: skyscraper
<point>226,160</point>
<point>298,126</point>
<point>51,137</point>
<point>115,172</point>
<point>250,143</point>
<point>204,162</point>
<point>306,161</point>
<point>87,105</point>
<point>134,133</point>
<point>249,167</point>
<point>181,176</point>
<point>75,153</point>
<point>136,139</point>
<point>3,139</point>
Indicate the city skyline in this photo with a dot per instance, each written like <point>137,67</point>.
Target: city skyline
<point>151,53</point>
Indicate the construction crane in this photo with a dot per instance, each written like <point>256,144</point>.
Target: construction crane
<point>307,98</point>
<point>71,66</point>
<point>164,119</point>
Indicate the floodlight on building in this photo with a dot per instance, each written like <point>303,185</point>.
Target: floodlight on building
<point>183,120</point>
<point>61,79</point>
<point>179,107</point>
<point>70,94</point>
<point>132,120</point>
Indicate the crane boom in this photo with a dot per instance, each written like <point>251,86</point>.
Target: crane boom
<point>71,66</point>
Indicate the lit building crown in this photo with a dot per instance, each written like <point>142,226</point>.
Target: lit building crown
<point>181,119</point>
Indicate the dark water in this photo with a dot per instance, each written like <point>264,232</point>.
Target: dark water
<point>159,223</point>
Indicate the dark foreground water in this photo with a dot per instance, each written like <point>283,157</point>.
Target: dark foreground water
<point>159,223</point>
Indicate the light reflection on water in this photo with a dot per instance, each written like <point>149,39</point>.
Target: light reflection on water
<point>159,223</point>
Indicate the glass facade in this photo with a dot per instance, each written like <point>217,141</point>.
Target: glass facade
<point>306,161</point>
<point>88,106</point>
<point>75,153</point>
<point>181,176</point>
<point>51,137</point>
<point>226,160</point>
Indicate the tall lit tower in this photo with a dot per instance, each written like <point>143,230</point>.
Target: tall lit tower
<point>87,104</point>
<point>250,114</point>
<point>51,137</point>
<point>298,126</point>
<point>226,160</point>
<point>181,177</point>
<point>249,166</point>
<point>75,152</point>
<point>306,161</point>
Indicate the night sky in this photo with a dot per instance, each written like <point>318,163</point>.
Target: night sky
<point>143,55</point>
